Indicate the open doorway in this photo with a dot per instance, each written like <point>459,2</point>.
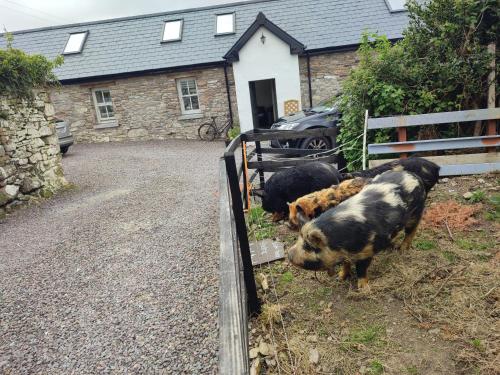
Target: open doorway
<point>264,108</point>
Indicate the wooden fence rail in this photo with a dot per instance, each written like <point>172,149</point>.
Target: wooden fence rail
<point>450,164</point>
<point>233,313</point>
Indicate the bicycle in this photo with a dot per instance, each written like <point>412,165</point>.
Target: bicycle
<point>209,130</point>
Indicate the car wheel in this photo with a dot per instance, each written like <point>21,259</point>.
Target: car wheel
<point>316,143</point>
<point>64,149</point>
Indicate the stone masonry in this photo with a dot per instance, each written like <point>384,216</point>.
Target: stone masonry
<point>30,160</point>
<point>146,107</point>
<point>328,71</point>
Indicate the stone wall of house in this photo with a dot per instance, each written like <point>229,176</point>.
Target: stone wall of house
<point>30,160</point>
<point>328,71</point>
<point>146,107</point>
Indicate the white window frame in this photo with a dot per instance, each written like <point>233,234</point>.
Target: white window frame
<point>185,111</point>
<point>181,28</point>
<point>395,10</point>
<point>80,49</point>
<point>101,120</point>
<point>233,14</point>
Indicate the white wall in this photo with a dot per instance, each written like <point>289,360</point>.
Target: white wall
<point>265,61</point>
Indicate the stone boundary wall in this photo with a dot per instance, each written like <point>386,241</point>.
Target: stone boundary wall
<point>30,160</point>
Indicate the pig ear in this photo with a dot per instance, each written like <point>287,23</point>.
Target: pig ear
<point>301,217</point>
<point>316,238</point>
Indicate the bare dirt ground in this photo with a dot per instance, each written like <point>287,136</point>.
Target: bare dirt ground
<point>432,310</point>
<point>118,274</point>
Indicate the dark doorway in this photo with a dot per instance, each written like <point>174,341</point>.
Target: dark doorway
<point>263,97</point>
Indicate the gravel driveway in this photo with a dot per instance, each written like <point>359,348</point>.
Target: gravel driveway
<point>118,275</point>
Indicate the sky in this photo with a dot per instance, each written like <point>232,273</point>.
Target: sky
<point>29,14</point>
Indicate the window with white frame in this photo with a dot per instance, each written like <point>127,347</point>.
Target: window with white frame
<point>396,5</point>
<point>188,95</point>
<point>103,105</point>
<point>225,23</point>
<point>172,31</point>
<point>75,43</point>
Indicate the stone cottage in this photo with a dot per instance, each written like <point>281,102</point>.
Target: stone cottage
<point>160,76</point>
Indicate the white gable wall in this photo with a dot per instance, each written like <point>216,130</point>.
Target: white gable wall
<point>271,60</point>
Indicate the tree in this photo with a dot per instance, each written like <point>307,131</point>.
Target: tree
<point>441,64</point>
<point>20,73</point>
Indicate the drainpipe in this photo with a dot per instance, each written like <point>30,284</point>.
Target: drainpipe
<point>309,79</point>
<point>228,93</point>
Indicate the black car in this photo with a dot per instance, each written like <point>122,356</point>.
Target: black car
<point>322,116</point>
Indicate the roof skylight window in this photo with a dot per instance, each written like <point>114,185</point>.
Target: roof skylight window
<point>75,43</point>
<point>225,23</point>
<point>396,5</point>
<point>172,31</point>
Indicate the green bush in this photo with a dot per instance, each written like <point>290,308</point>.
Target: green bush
<point>441,64</point>
<point>233,132</point>
<point>20,73</point>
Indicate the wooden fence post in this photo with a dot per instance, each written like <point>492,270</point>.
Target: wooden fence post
<point>492,124</point>
<point>402,137</point>
<point>365,130</point>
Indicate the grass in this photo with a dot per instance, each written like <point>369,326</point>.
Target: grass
<point>477,343</point>
<point>287,277</point>
<point>376,368</point>
<point>259,225</point>
<point>369,335</point>
<point>493,214</point>
<point>449,256</point>
<point>477,196</point>
<point>412,370</point>
<point>425,244</point>
<point>476,243</point>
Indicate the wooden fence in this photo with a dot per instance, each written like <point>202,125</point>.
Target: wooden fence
<point>233,315</point>
<point>238,292</point>
<point>458,164</point>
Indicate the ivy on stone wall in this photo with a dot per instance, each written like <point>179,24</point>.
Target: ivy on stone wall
<point>20,73</point>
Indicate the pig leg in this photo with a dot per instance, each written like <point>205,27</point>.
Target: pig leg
<point>411,230</point>
<point>362,272</point>
<point>345,271</point>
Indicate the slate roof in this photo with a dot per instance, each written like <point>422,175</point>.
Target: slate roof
<point>132,44</point>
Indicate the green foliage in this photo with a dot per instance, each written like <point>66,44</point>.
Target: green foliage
<point>287,277</point>
<point>424,244</point>
<point>259,225</point>
<point>441,64</point>
<point>20,73</point>
<point>233,132</point>
<point>477,196</point>
<point>476,343</point>
<point>475,243</point>
<point>376,368</point>
<point>449,256</point>
<point>493,214</point>
<point>370,335</point>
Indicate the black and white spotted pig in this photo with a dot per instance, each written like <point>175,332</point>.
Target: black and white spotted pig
<point>360,227</point>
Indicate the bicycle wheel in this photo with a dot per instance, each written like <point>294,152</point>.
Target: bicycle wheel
<point>207,132</point>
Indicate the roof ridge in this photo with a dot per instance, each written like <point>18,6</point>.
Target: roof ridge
<point>141,16</point>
